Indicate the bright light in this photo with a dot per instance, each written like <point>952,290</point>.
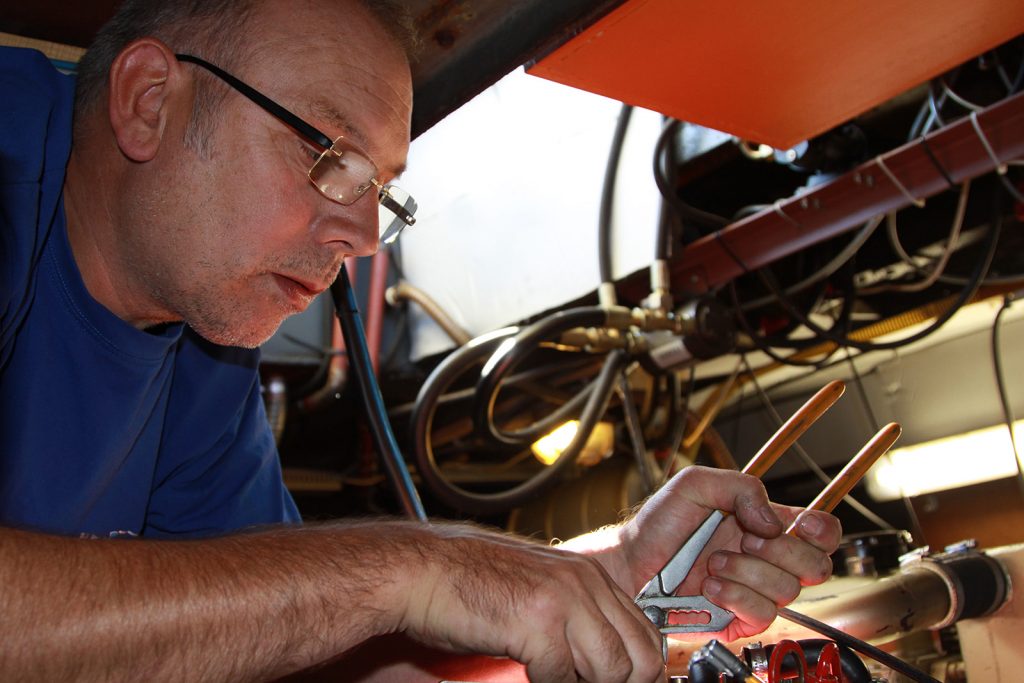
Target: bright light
<point>949,463</point>
<point>599,444</point>
<point>548,447</point>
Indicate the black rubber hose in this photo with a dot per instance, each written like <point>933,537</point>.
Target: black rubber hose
<point>968,291</point>
<point>511,352</point>
<point>494,503</point>
<point>359,360</point>
<point>691,216</point>
<point>611,173</point>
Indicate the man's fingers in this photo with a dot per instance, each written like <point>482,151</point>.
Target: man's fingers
<point>621,644</point>
<point>726,490</point>
<point>749,606</point>
<point>773,582</point>
<point>642,640</point>
<point>552,661</point>
<point>599,652</point>
<point>820,529</point>
<point>588,628</point>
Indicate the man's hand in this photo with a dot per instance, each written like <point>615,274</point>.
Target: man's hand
<point>556,611</point>
<point>750,567</point>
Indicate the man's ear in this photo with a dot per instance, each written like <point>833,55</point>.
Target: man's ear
<point>146,83</point>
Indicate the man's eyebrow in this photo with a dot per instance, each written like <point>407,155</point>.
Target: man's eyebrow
<point>324,111</point>
<point>327,113</point>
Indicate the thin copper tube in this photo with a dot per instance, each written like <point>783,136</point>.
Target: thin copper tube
<point>794,427</point>
<point>854,470</point>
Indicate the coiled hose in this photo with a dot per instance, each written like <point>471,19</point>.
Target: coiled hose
<point>594,403</point>
<point>509,354</point>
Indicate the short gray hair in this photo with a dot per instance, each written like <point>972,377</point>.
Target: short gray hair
<point>212,29</point>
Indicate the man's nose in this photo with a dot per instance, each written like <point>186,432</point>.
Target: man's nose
<point>357,224</point>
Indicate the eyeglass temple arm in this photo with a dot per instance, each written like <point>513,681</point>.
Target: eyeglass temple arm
<point>262,100</point>
<point>397,208</point>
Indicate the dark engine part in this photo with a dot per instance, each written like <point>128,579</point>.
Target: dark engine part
<point>873,553</point>
<point>708,331</point>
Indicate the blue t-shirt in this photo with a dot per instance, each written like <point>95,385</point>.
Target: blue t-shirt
<point>106,429</point>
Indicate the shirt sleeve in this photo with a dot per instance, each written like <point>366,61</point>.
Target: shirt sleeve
<point>218,470</point>
<point>35,140</point>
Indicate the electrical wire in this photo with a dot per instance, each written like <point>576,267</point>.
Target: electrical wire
<point>1004,399</point>
<point>808,460</point>
<point>964,296</point>
<point>874,425</point>
<point>940,264</point>
<point>828,269</point>
<point>764,344</point>
<point>510,353</point>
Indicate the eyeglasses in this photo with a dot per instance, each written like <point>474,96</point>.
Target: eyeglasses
<point>343,172</point>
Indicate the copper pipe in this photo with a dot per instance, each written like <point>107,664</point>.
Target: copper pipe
<point>794,427</point>
<point>854,470</point>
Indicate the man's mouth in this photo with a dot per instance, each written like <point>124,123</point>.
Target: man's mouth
<point>298,292</point>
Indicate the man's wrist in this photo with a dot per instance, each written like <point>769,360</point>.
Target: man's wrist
<point>605,545</point>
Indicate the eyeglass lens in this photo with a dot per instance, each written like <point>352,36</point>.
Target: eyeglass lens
<point>344,175</point>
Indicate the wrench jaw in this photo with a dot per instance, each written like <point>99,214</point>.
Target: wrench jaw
<point>657,609</point>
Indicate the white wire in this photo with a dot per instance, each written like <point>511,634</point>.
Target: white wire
<point>940,263</point>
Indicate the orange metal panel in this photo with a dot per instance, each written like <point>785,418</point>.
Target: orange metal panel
<point>775,71</point>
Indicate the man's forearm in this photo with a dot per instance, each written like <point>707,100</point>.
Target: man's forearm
<point>246,607</point>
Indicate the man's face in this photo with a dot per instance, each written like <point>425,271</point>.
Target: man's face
<point>236,241</point>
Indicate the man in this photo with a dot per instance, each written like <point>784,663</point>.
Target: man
<point>183,228</point>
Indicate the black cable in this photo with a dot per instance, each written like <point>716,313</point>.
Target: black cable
<point>834,264</point>
<point>755,338</point>
<point>935,162</point>
<point>965,295</point>
<point>762,345</point>
<point>682,410</point>
<point>857,644</point>
<point>873,424</point>
<point>690,216</point>
<point>511,352</point>
<point>422,418</point>
<point>604,223</point>
<point>345,305</point>
<point>1004,399</point>
<point>840,324</point>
